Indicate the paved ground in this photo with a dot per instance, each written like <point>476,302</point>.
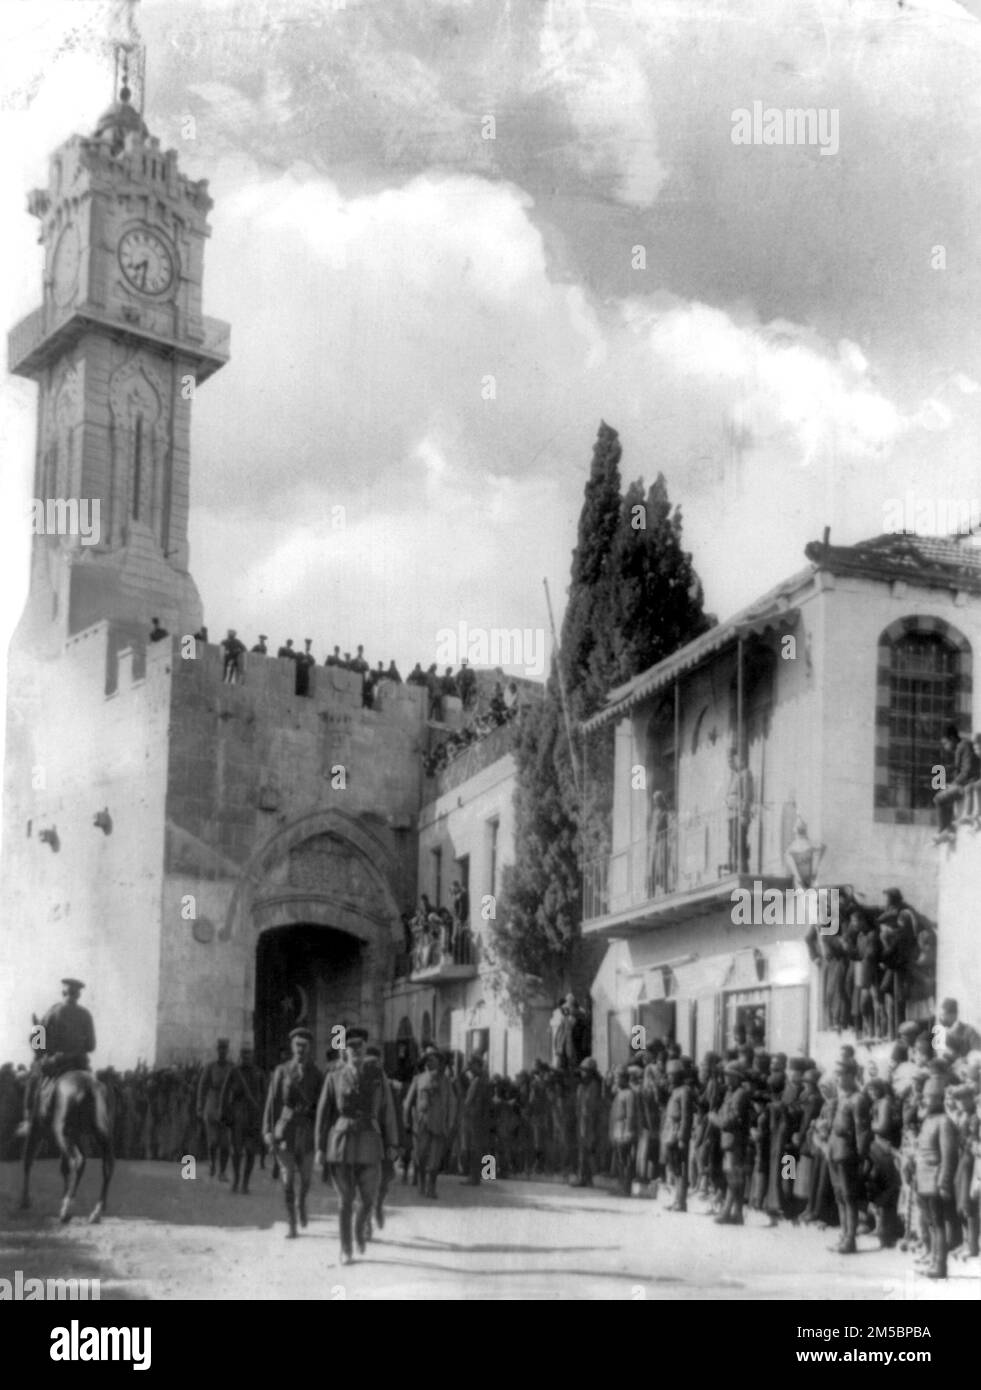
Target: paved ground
<point>168,1237</point>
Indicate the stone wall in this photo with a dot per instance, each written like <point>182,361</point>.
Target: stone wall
<point>283,810</point>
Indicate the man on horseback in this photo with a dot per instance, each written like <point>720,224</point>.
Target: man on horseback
<point>67,1038</point>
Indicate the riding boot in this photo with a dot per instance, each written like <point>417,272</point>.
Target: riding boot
<point>249,1165</point>
<point>302,1208</point>
<point>236,1170</point>
<point>291,1215</point>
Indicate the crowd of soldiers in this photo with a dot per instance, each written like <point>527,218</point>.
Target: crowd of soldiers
<point>890,1149</point>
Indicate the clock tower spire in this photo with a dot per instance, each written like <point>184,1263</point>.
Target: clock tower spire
<point>118,348</point>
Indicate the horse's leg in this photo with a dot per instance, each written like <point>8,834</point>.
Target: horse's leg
<point>72,1165</point>
<point>103,1137</point>
<point>30,1147</point>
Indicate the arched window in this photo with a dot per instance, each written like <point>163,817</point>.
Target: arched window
<point>924,682</point>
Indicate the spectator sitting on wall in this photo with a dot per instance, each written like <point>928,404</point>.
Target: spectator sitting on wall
<point>972,790</point>
<point>392,674</point>
<point>417,675</point>
<point>334,659</point>
<point>960,769</point>
<point>358,662</point>
<point>260,648</point>
<point>287,652</point>
<point>201,635</point>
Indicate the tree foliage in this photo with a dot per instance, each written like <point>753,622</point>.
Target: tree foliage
<point>634,598</point>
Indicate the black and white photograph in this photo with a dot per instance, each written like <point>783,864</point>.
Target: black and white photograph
<point>490,637</point>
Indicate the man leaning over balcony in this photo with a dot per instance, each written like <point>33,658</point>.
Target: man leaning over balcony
<point>739,804</point>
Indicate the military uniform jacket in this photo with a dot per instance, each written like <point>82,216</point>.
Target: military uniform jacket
<point>732,1118</point>
<point>242,1096</point>
<point>625,1117</point>
<point>588,1110</point>
<point>210,1087</point>
<point>68,1028</point>
<point>356,1114</point>
<point>851,1129</point>
<point>430,1105</point>
<point>477,1107</point>
<point>677,1122</point>
<point>936,1156</point>
<point>294,1088</point>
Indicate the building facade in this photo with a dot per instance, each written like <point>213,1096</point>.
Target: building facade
<point>211,858</point>
<point>833,690</point>
<point>466,835</point>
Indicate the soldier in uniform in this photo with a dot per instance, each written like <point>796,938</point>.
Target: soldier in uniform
<point>848,1150</point>
<point>240,1108</point>
<point>430,1112</point>
<point>936,1165</point>
<point>476,1120</point>
<point>588,1113</point>
<point>288,1123</point>
<point>355,1129</point>
<point>731,1119</point>
<point>68,1038</point>
<point>676,1128</point>
<point>212,1079</point>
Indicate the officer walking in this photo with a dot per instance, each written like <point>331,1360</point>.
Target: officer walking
<point>288,1123</point>
<point>64,1045</point>
<point>240,1108</point>
<point>430,1112</point>
<point>212,1079</point>
<point>355,1129</point>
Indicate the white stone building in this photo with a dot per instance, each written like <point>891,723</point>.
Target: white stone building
<point>466,833</point>
<point>837,683</point>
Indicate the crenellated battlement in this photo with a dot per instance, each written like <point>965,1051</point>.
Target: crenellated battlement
<point>268,688</point>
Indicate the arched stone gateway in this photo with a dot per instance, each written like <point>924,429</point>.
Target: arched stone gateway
<point>317,908</point>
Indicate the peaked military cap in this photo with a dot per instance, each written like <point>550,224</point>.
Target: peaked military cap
<point>301,1033</point>
<point>72,984</point>
<point>356,1034</point>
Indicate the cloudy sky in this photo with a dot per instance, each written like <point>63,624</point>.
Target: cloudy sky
<point>415,197</point>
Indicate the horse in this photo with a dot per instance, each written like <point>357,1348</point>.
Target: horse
<point>81,1108</point>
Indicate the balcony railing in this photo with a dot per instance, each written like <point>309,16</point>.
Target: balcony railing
<point>445,958</point>
<point>685,853</point>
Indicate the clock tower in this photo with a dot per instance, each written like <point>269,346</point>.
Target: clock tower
<point>118,348</point>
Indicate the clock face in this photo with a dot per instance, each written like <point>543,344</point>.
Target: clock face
<point>67,257</point>
<point>146,261</point>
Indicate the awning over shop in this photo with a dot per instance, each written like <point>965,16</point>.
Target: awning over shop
<point>701,976</point>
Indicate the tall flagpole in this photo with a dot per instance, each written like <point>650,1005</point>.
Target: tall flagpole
<point>565,703</point>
